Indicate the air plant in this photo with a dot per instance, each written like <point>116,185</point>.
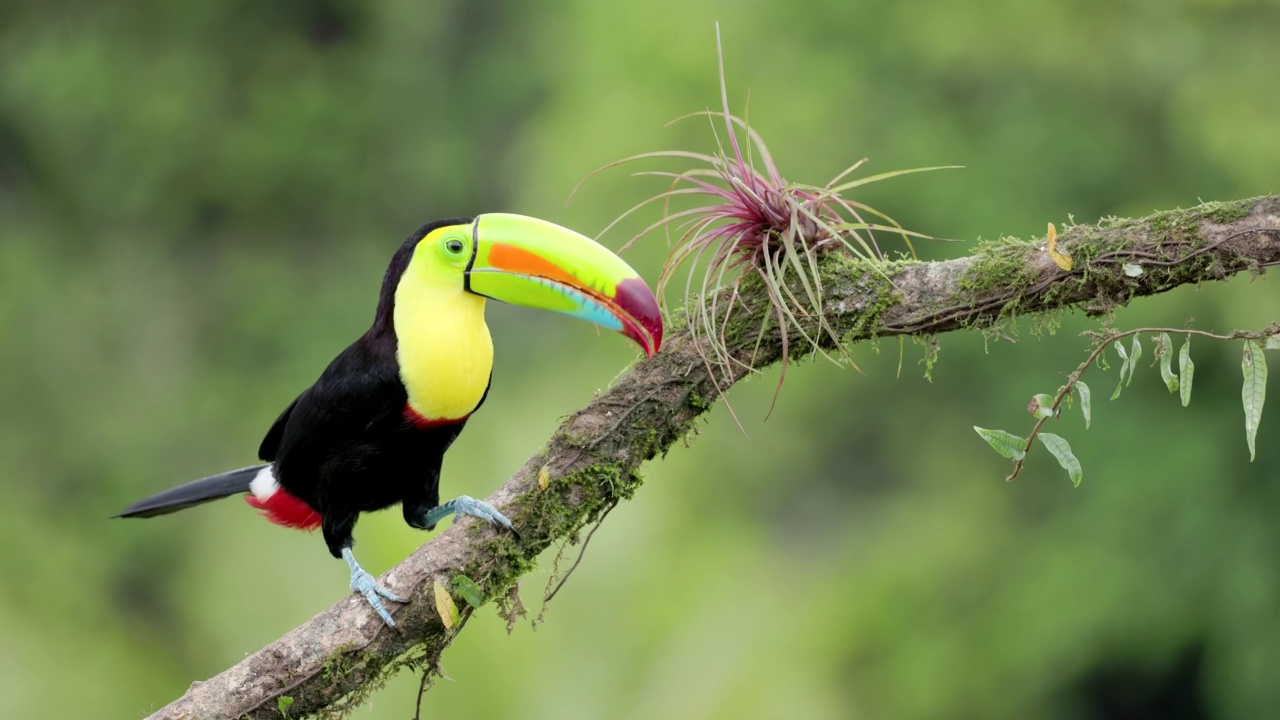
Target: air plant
<point>755,222</point>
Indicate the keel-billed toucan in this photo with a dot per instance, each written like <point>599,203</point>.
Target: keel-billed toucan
<point>373,429</point>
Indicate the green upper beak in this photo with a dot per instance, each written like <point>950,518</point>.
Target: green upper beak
<point>531,262</point>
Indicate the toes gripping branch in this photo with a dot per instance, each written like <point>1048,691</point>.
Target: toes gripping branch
<point>374,593</point>
<point>365,584</point>
<point>466,505</point>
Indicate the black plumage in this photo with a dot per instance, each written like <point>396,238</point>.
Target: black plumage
<point>346,444</point>
<point>370,432</point>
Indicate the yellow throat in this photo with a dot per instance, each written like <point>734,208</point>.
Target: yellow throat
<point>444,348</point>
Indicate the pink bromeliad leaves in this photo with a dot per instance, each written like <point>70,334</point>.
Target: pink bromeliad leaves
<point>747,220</point>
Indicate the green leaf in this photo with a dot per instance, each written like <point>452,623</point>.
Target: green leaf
<point>469,590</point>
<point>1164,349</point>
<point>1124,354</point>
<point>1008,445</point>
<point>1186,370</point>
<point>1273,343</point>
<point>283,703</point>
<point>1061,450</point>
<point>1133,358</point>
<point>1131,270</point>
<point>1041,405</point>
<point>1124,368</point>
<point>1085,402</point>
<point>445,606</point>
<point>1254,393</point>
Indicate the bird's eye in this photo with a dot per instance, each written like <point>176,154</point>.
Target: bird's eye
<point>453,246</point>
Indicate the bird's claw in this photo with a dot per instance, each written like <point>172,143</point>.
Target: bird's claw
<point>365,584</point>
<point>467,505</point>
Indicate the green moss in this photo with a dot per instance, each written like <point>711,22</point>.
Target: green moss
<point>881,295</point>
<point>1000,264</point>
<point>338,663</point>
<point>1003,266</point>
<point>1175,225</point>
<point>381,670</point>
<point>675,320</point>
<point>505,562</point>
<point>569,436</point>
<point>869,286</point>
<point>1229,211</point>
<point>1173,233</point>
<point>568,503</point>
<point>861,281</point>
<point>647,445</point>
<point>931,348</point>
<point>342,663</point>
<point>744,326</point>
<point>1084,243</point>
<point>697,402</point>
<point>1006,268</point>
<point>1185,224</point>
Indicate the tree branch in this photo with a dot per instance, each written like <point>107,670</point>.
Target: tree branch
<point>334,660</point>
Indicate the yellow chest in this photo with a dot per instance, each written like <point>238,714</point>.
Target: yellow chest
<point>444,350</point>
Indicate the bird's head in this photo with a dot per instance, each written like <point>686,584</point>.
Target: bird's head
<point>538,264</point>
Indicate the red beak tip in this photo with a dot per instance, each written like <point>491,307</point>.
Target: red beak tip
<point>656,343</point>
<point>635,297</point>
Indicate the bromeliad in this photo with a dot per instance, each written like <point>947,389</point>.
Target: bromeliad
<point>373,429</point>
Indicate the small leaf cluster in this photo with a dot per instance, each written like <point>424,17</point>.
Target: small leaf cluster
<point>1044,406</point>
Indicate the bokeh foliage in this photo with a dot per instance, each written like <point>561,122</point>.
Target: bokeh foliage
<point>196,204</point>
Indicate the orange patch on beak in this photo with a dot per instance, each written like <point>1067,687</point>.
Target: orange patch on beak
<point>518,260</point>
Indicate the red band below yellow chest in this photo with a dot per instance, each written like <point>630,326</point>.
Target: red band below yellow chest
<point>424,423</point>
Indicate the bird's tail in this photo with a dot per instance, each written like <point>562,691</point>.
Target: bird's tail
<point>193,493</point>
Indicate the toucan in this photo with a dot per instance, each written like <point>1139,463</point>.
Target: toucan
<point>373,429</point>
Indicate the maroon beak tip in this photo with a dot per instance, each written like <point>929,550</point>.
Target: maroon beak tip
<point>637,299</point>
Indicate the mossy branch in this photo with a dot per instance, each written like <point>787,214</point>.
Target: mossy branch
<point>333,661</point>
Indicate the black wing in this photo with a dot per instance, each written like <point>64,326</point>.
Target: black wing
<point>356,401</point>
<point>270,446</point>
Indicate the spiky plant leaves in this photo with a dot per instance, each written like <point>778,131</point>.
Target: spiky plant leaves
<point>750,222</point>
<point>884,176</point>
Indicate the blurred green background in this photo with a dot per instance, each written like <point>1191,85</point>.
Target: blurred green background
<point>197,201</point>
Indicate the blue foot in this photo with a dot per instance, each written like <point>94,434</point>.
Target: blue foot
<point>365,584</point>
<point>465,505</point>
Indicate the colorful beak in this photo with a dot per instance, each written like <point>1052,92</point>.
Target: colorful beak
<point>531,262</point>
